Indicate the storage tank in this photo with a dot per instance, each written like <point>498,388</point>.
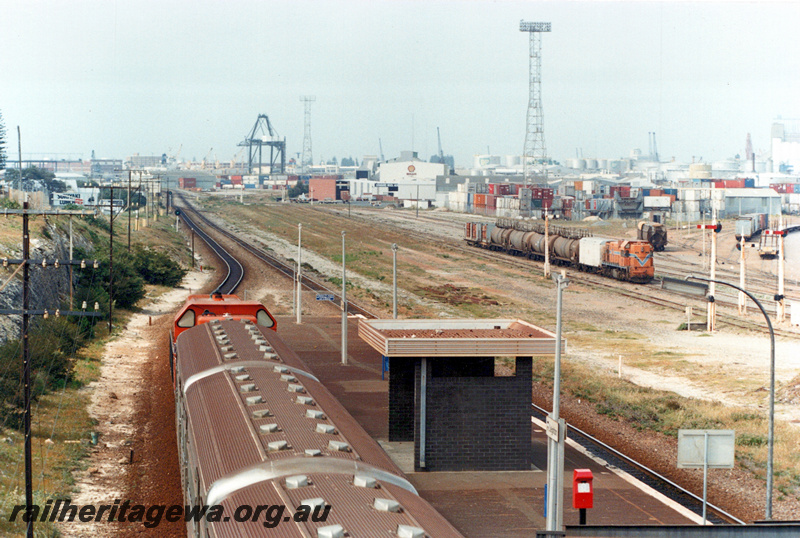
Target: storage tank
<point>727,165</point>
<point>700,171</point>
<point>566,248</point>
<point>500,236</point>
<point>572,163</point>
<point>602,164</point>
<point>581,164</point>
<point>516,239</point>
<point>591,164</point>
<point>539,246</point>
<point>530,239</point>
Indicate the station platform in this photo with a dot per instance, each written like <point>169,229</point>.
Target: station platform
<point>479,504</point>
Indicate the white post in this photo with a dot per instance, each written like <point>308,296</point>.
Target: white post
<point>704,240</point>
<point>394,280</point>
<point>344,306</point>
<point>555,447</point>
<point>299,273</point>
<point>781,306</point>
<point>712,305</point>
<point>742,301</point>
<point>705,476</point>
<point>546,244</point>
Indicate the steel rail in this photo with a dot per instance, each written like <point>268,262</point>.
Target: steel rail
<point>645,470</point>
<point>284,267</point>
<point>235,270</point>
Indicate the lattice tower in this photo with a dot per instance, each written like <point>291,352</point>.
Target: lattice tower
<point>535,150</point>
<point>307,160</point>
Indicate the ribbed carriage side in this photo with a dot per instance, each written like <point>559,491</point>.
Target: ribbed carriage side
<point>253,424</point>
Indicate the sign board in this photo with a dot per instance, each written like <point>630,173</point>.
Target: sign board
<point>325,297</point>
<point>692,444</point>
<point>556,430</point>
<point>386,184</point>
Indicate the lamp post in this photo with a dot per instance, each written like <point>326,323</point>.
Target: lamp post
<point>394,280</point>
<point>771,434</point>
<point>555,440</point>
<point>299,272</point>
<point>344,306</point>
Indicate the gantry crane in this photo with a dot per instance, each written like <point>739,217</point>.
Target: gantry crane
<point>261,135</point>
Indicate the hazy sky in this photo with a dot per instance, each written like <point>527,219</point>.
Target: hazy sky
<point>121,77</point>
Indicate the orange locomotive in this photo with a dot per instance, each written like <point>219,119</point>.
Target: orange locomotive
<point>630,260</point>
<point>199,309</point>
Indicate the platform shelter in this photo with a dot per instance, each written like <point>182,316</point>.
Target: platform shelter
<point>444,394</point>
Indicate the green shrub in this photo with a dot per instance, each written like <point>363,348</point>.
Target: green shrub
<point>157,268</point>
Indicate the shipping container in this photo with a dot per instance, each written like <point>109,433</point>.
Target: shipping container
<point>591,251</point>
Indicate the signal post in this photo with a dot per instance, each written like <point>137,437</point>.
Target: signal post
<point>715,227</point>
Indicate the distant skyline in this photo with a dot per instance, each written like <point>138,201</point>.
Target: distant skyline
<point>149,77</point>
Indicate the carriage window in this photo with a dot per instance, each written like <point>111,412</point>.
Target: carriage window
<point>187,320</point>
<point>263,319</point>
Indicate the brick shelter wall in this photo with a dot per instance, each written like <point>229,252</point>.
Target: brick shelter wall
<point>475,423</point>
<point>401,399</point>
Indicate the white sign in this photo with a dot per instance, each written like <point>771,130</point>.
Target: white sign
<point>556,430</point>
<point>692,449</point>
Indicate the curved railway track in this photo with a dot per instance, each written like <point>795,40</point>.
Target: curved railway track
<point>235,270</point>
<point>589,443</point>
<point>284,267</point>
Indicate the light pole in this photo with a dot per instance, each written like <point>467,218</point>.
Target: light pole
<point>771,434</point>
<point>344,306</point>
<point>299,272</point>
<point>556,428</point>
<point>394,280</point>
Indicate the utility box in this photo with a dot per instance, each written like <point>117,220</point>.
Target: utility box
<point>582,489</point>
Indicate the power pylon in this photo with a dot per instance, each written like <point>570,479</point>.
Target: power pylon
<point>535,151</point>
<point>307,159</point>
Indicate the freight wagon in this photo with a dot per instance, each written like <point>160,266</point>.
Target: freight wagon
<point>619,259</point>
<point>653,232</point>
<point>750,225</point>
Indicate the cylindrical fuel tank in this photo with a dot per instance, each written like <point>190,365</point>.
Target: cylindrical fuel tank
<point>500,236</point>
<point>516,239</point>
<point>539,247</point>
<point>530,239</point>
<point>566,248</point>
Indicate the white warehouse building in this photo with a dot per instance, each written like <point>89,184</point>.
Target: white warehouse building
<point>786,145</point>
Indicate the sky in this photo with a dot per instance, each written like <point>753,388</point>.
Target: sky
<point>150,77</point>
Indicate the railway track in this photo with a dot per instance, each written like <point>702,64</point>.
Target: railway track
<point>644,293</point>
<point>590,444</point>
<point>235,272</point>
<point>281,265</point>
<point>641,472</point>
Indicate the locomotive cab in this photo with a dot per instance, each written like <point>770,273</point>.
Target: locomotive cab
<point>200,309</point>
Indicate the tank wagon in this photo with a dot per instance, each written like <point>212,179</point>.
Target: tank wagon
<point>750,225</point>
<point>654,233</point>
<point>616,258</point>
<point>271,452</point>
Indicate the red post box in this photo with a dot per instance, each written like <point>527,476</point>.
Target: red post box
<point>582,489</point>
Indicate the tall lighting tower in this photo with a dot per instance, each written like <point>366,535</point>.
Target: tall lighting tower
<point>535,151</point>
<point>307,159</point>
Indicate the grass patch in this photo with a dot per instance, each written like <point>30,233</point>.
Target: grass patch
<point>666,413</point>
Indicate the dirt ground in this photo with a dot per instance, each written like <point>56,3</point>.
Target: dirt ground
<point>133,401</point>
